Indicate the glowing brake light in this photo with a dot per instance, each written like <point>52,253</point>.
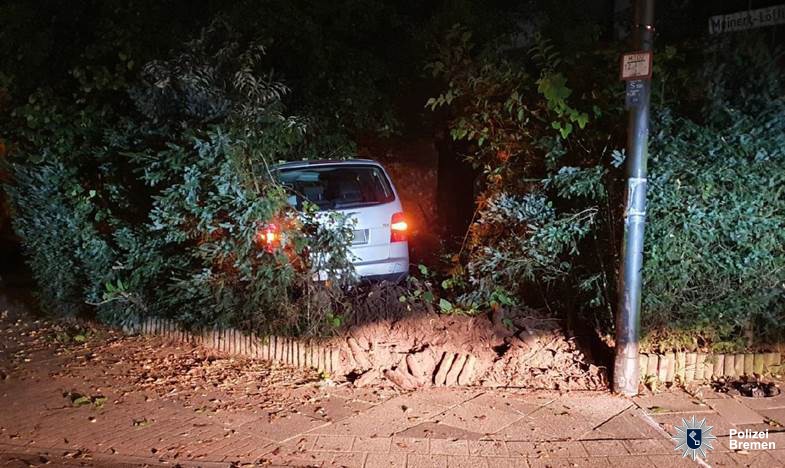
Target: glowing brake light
<point>269,237</point>
<point>398,228</point>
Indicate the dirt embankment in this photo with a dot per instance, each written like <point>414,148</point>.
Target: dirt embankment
<point>429,349</point>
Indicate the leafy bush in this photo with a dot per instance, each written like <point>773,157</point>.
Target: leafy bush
<point>715,264</point>
<point>544,172</point>
<point>544,131</point>
<point>146,197</point>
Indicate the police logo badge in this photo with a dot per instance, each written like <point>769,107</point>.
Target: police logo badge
<point>694,438</point>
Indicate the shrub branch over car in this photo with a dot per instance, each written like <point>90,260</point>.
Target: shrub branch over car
<point>146,196</point>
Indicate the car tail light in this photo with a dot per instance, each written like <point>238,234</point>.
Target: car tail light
<point>269,237</point>
<point>398,228</point>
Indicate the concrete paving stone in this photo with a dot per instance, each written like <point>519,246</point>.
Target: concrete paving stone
<point>548,449</point>
<point>367,395</point>
<point>757,458</point>
<point>283,428</point>
<point>380,421</point>
<point>446,397</point>
<point>674,401</point>
<point>372,444</point>
<point>488,448</point>
<point>672,461</point>
<point>454,447</point>
<point>385,460</point>
<point>720,426</point>
<point>775,402</point>
<point>561,462</point>
<point>409,445</point>
<point>214,435</point>
<point>421,406</point>
<point>705,392</point>
<point>570,417</point>
<point>649,446</point>
<point>334,409</point>
<point>507,462</point>
<point>365,425</point>
<point>718,459</point>
<point>549,423</point>
<point>415,460</point>
<point>631,461</point>
<point>632,423</point>
<point>280,454</point>
<point>331,443</point>
<point>594,406</point>
<point>240,450</point>
<point>138,444</point>
<point>601,448</point>
<point>563,449</point>
<point>722,444</point>
<point>779,455</point>
<point>469,462</point>
<point>259,450</point>
<point>476,417</point>
<point>777,435</point>
<point>299,443</point>
<point>524,449</point>
<point>124,432</point>
<point>349,460</point>
<point>775,414</point>
<point>433,430</point>
<point>224,446</point>
<point>51,439</point>
<point>311,459</point>
<point>772,428</point>
<point>735,412</point>
<point>519,403</point>
<point>196,429</point>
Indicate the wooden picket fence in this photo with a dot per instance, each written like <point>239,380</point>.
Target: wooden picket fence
<point>700,367</point>
<point>295,352</point>
<point>680,367</point>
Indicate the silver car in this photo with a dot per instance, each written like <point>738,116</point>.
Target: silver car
<point>361,189</point>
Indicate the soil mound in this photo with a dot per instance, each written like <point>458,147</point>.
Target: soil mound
<point>429,349</point>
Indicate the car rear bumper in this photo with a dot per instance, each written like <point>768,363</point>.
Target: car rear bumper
<point>395,265</point>
<point>390,278</point>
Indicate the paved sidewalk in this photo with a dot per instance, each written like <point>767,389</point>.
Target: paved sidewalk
<point>724,413</point>
<point>203,417</point>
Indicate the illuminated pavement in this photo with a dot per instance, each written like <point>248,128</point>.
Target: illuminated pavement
<point>336,425</point>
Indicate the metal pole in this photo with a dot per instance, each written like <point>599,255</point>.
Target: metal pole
<point>626,373</point>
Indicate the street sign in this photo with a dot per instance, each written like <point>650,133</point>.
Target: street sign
<point>636,65</point>
<point>748,19</point>
<point>634,94</point>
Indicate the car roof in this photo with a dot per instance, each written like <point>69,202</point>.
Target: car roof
<point>323,162</point>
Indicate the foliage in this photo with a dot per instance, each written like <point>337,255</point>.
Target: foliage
<point>715,267</point>
<point>147,196</point>
<point>550,152</point>
<point>543,181</point>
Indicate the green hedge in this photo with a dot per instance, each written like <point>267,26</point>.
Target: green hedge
<point>144,195</point>
<point>547,135</point>
<point>715,258</point>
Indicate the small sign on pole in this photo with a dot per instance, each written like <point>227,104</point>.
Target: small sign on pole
<point>633,96</point>
<point>636,65</point>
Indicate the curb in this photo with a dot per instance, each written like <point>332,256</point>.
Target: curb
<point>678,367</point>
<point>300,353</point>
<point>684,367</point>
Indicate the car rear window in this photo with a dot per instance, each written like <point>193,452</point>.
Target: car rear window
<point>335,187</point>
